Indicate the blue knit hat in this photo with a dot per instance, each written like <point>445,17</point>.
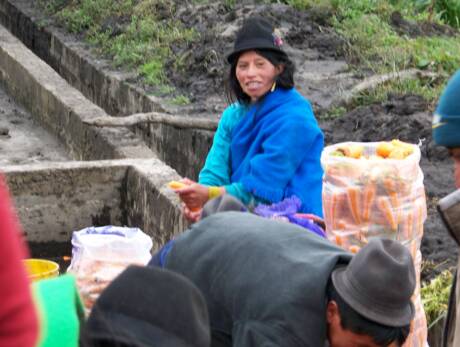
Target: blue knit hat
<point>446,120</point>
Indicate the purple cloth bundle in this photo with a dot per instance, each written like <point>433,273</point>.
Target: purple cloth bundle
<point>287,210</point>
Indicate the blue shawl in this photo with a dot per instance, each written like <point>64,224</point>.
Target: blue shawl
<point>276,149</point>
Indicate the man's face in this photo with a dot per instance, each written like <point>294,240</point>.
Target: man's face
<point>339,337</point>
<point>455,154</point>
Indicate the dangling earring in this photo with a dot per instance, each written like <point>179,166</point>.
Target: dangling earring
<point>273,87</point>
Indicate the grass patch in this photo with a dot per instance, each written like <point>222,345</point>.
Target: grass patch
<point>135,34</point>
<point>372,44</point>
<point>427,89</point>
<point>139,34</point>
<point>447,10</point>
<point>180,100</point>
<point>435,297</point>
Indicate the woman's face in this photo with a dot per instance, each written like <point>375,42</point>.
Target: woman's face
<point>256,74</point>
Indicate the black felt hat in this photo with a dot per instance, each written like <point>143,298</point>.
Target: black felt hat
<point>256,33</point>
<point>379,282</point>
<point>148,307</point>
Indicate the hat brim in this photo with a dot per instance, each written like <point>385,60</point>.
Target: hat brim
<point>376,312</point>
<point>251,46</point>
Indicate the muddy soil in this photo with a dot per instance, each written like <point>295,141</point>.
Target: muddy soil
<point>322,74</point>
<point>307,38</point>
<point>22,141</point>
<point>414,29</point>
<point>407,118</point>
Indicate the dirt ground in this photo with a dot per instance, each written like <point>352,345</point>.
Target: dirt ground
<point>322,75</point>
<point>22,141</point>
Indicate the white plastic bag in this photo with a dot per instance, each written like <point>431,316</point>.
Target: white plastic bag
<point>99,254</point>
<point>374,197</point>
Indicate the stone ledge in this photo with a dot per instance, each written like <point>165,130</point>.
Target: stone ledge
<point>184,150</point>
<point>60,108</point>
<point>120,192</point>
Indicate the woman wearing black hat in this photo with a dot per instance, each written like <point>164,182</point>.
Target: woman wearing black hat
<point>268,144</point>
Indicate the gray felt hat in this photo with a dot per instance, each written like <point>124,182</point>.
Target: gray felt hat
<point>378,283</point>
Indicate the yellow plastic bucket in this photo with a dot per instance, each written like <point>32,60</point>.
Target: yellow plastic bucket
<point>40,268</point>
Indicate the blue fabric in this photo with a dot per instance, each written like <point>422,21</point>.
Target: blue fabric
<point>159,258</point>
<point>446,120</point>
<point>216,170</point>
<point>276,148</point>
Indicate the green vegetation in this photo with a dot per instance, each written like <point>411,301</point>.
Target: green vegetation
<point>139,34</point>
<point>134,34</point>
<point>180,100</point>
<point>373,44</point>
<point>435,297</point>
<point>447,10</point>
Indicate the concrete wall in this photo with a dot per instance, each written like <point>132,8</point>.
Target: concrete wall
<point>57,198</point>
<point>78,197</point>
<point>184,150</point>
<point>54,199</point>
<point>61,108</point>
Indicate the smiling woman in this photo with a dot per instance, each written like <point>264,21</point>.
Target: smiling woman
<point>256,75</point>
<point>268,144</point>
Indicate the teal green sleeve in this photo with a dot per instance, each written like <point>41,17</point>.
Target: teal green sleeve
<point>238,191</point>
<point>216,170</point>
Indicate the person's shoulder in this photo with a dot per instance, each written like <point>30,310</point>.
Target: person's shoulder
<point>232,115</point>
<point>301,100</point>
<point>234,108</point>
<point>296,110</point>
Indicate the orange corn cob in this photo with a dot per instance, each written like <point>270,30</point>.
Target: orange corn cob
<point>176,185</point>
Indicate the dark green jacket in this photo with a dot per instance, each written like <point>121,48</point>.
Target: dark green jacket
<point>264,281</point>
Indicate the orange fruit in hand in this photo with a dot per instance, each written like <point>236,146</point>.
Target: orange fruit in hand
<point>384,149</point>
<point>176,185</point>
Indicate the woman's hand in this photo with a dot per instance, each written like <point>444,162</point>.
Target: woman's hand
<point>194,195</point>
<point>191,216</point>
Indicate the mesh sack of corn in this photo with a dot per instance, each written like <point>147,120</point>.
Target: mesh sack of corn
<point>375,189</point>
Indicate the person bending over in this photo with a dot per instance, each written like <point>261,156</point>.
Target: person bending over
<point>269,283</point>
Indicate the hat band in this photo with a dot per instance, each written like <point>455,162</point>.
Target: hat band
<point>390,314</point>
